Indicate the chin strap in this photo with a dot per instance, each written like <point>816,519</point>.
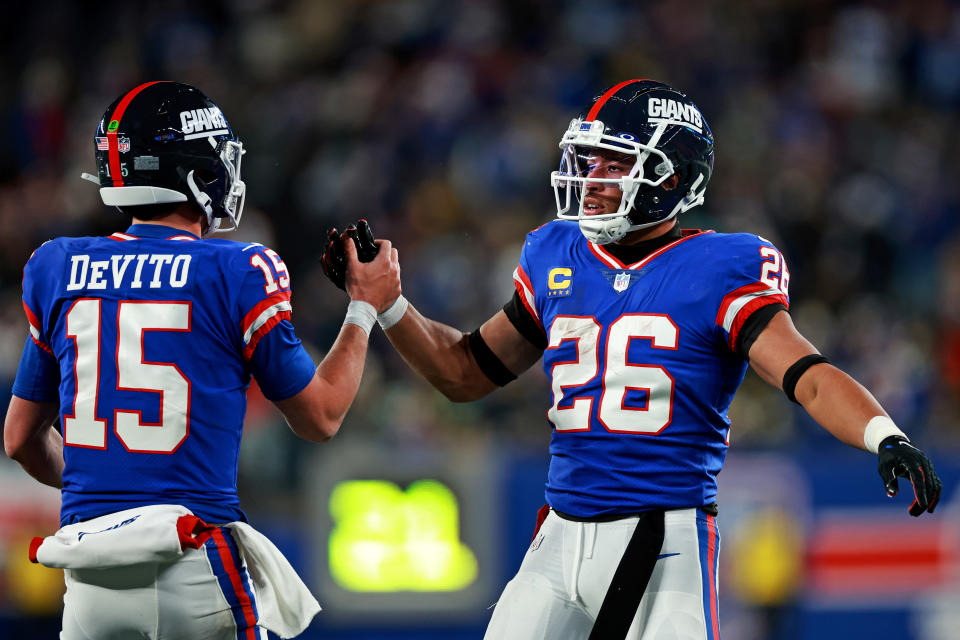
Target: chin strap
<point>201,198</point>
<point>205,203</point>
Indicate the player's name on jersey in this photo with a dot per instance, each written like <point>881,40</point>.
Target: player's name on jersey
<point>129,271</point>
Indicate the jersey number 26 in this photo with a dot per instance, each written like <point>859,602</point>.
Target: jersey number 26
<point>619,376</point>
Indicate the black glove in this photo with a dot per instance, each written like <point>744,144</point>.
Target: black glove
<point>363,238</point>
<point>333,260</point>
<point>900,458</point>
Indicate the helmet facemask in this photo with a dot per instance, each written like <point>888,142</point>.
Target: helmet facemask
<point>230,153</point>
<point>651,167</point>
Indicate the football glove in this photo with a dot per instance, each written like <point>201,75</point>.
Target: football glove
<point>333,260</point>
<point>900,458</point>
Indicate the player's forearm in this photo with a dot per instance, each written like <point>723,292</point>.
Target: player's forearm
<point>838,403</point>
<point>340,372</point>
<point>42,457</point>
<point>316,412</point>
<point>30,438</point>
<point>440,354</point>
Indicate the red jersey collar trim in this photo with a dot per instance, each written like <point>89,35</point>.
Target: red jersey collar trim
<point>154,231</point>
<point>612,261</point>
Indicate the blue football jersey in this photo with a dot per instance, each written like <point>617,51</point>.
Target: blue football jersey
<point>148,340</point>
<point>641,362</point>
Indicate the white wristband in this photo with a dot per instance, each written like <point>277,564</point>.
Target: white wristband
<point>363,314</point>
<point>393,315</point>
<point>879,428</point>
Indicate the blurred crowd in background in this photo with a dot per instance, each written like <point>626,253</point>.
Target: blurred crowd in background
<point>439,122</point>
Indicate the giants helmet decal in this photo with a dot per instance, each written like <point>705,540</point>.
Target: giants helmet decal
<point>665,133</point>
<point>165,142</point>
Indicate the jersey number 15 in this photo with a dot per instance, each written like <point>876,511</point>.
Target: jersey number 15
<point>82,428</point>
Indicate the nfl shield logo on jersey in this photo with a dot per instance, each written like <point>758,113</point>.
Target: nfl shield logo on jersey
<point>621,282</point>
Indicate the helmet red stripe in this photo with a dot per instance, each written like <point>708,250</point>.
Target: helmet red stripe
<point>602,100</point>
<point>114,150</point>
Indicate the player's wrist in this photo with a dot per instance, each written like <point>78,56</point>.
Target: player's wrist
<point>361,313</point>
<point>878,429</point>
<point>394,313</point>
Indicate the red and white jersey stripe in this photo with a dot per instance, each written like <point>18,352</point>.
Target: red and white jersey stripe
<point>264,317</point>
<point>740,303</point>
<point>34,322</point>
<point>525,288</point>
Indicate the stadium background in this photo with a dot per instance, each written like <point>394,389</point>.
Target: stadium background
<point>438,121</point>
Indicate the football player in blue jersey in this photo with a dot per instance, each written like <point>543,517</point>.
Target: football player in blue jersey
<point>646,331</point>
<point>142,345</point>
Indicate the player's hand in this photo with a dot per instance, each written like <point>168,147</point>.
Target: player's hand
<point>362,236</point>
<point>900,458</point>
<point>333,259</point>
<point>376,282</point>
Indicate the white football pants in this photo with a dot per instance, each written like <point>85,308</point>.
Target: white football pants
<point>205,595</point>
<point>564,577</point>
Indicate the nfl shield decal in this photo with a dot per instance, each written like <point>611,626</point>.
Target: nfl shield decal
<point>123,145</point>
<point>621,281</point>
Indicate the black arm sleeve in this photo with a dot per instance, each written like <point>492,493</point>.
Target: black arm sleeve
<point>488,361</point>
<point>521,319</point>
<point>754,325</point>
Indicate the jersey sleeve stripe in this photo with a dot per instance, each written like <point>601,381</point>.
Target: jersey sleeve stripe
<point>251,317</point>
<point>263,330</point>
<point>522,282</point>
<point>263,316</point>
<point>35,329</point>
<point>122,236</point>
<point>32,318</point>
<point>36,340</point>
<point>740,303</point>
<point>748,310</point>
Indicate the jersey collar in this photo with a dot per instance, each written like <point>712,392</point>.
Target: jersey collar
<point>613,262</point>
<point>137,231</point>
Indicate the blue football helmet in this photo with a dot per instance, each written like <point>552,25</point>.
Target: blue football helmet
<point>663,131</point>
<point>167,142</point>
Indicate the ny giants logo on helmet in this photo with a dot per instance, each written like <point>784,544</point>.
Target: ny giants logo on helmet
<point>200,123</point>
<point>660,109</point>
